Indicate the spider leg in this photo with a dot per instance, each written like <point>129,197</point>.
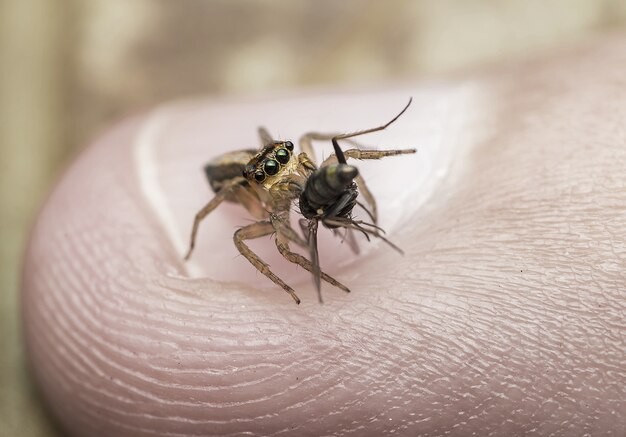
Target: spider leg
<point>256,230</point>
<point>374,129</point>
<point>265,136</point>
<point>281,225</point>
<point>219,197</point>
<point>306,142</point>
<point>312,266</point>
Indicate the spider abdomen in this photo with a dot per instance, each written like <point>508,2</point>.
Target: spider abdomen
<point>225,168</point>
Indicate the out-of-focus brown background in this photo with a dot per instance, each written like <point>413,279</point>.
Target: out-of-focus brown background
<point>68,68</point>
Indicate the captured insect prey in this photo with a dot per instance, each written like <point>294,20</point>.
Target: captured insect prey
<point>269,181</point>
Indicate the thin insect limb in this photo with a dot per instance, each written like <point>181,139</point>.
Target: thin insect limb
<point>340,156</point>
<point>371,214</point>
<point>367,154</point>
<point>265,136</point>
<point>214,203</point>
<point>371,225</point>
<point>313,267</point>
<point>257,230</point>
<point>306,142</point>
<point>347,223</point>
<point>369,198</point>
<point>374,129</point>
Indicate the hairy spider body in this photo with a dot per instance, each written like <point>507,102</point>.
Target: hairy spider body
<point>266,182</point>
<point>227,167</point>
<point>277,175</point>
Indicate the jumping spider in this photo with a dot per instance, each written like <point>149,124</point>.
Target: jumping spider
<point>266,182</point>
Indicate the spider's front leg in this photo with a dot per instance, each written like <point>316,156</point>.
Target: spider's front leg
<point>285,234</point>
<point>257,230</point>
<point>306,142</point>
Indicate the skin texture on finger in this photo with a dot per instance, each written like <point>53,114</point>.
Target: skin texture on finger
<point>505,316</point>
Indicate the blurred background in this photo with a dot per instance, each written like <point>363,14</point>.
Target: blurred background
<point>69,68</point>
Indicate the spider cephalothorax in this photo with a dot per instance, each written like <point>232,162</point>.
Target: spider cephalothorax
<point>273,160</point>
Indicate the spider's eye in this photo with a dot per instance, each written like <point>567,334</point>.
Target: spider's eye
<point>271,167</point>
<point>282,156</point>
<point>289,145</point>
<point>259,176</point>
<point>248,169</point>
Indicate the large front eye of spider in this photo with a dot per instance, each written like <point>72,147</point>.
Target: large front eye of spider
<point>271,167</point>
<point>282,156</point>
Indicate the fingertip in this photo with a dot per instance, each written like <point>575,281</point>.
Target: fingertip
<point>126,338</point>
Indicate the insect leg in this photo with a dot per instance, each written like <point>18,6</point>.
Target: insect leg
<point>256,230</point>
<point>372,130</point>
<point>376,154</point>
<point>366,229</point>
<point>214,203</point>
<point>367,154</point>
<point>283,247</point>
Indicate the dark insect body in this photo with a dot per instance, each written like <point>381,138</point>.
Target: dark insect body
<point>268,181</point>
<point>330,192</point>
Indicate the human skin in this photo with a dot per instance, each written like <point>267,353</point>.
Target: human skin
<point>505,316</point>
